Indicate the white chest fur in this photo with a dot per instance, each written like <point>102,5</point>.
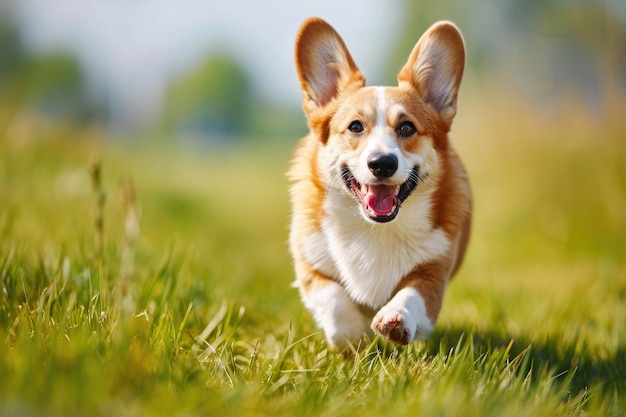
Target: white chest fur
<point>369,260</point>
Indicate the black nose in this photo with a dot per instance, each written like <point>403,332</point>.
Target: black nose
<point>382,165</point>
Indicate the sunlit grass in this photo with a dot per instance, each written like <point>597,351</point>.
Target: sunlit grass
<point>206,323</point>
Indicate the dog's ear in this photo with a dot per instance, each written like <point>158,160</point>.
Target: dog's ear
<point>325,67</point>
<point>435,68</point>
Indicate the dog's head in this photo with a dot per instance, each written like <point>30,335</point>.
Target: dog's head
<point>380,144</point>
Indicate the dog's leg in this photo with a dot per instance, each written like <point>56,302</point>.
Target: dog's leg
<point>343,322</point>
<point>412,312</point>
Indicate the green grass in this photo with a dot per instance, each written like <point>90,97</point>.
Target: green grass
<point>197,316</point>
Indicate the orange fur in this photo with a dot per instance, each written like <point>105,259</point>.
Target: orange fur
<point>368,245</point>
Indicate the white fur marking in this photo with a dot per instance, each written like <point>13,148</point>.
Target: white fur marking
<point>316,252</point>
<point>373,258</point>
<point>381,108</point>
<point>381,140</point>
<point>409,306</point>
<point>334,312</point>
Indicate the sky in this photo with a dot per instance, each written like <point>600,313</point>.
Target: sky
<point>132,49</point>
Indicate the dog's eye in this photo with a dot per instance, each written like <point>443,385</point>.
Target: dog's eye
<point>355,126</point>
<point>406,129</point>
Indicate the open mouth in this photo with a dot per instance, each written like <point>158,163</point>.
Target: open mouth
<point>381,202</point>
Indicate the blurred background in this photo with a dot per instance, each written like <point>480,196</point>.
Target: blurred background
<point>145,143</point>
<point>143,150</point>
<point>211,70</point>
<point>198,102</point>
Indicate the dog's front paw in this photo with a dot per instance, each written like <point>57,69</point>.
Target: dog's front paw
<point>343,323</point>
<point>394,324</point>
<point>404,318</point>
<point>344,337</point>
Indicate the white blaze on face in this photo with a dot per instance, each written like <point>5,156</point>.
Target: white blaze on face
<point>381,108</point>
<point>382,140</point>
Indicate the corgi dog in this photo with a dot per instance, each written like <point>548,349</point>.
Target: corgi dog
<point>381,204</point>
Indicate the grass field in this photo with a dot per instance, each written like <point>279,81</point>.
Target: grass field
<point>187,308</point>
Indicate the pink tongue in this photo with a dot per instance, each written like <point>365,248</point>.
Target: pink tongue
<point>380,199</point>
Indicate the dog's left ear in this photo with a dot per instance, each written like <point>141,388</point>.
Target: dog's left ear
<point>435,68</point>
<point>325,67</point>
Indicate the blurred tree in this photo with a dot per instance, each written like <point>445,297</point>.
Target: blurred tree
<point>51,85</point>
<point>11,53</point>
<point>215,98</point>
<point>588,38</point>
<point>547,49</point>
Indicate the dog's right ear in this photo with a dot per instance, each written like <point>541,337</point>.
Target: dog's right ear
<point>325,67</point>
